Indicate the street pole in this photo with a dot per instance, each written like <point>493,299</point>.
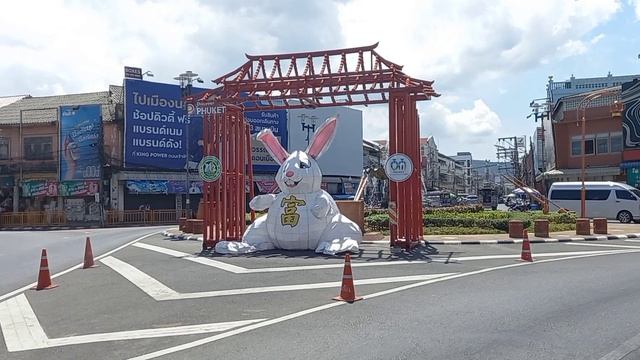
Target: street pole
<point>186,81</point>
<point>583,104</point>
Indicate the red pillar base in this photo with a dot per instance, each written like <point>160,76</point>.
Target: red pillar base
<point>406,244</point>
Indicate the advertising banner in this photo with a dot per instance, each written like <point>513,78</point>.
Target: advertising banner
<point>163,187</point>
<point>631,115</point>
<point>276,120</point>
<point>33,188</point>
<point>156,127</point>
<point>78,188</point>
<point>79,149</point>
<point>344,155</point>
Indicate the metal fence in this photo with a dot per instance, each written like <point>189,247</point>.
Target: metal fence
<point>112,218</point>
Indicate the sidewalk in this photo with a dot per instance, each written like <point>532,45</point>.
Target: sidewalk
<point>616,231</point>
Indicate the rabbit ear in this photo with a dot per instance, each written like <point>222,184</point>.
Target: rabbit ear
<point>322,138</point>
<point>278,153</point>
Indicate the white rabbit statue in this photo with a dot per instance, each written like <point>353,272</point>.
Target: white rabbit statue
<point>302,216</point>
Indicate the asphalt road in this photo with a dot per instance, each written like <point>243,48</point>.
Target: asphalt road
<point>20,250</point>
<point>482,304</point>
<point>574,309</point>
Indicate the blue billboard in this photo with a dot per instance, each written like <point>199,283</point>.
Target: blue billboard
<point>276,120</point>
<point>80,142</point>
<point>156,127</point>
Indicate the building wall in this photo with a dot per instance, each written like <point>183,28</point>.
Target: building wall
<point>598,121</point>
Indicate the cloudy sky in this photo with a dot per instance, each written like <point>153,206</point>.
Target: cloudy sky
<point>489,59</point>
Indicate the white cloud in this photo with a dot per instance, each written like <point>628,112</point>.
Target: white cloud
<point>464,126</point>
<point>636,3</point>
<point>457,42</point>
<point>571,48</point>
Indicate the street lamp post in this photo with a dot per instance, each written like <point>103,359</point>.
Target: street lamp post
<point>186,83</point>
<point>583,104</point>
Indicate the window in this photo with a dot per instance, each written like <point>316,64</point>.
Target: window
<point>38,148</point>
<point>624,195</point>
<point>588,147</point>
<point>576,149</point>
<point>616,142</point>
<point>4,149</point>
<point>565,195</point>
<point>597,194</point>
<point>602,144</point>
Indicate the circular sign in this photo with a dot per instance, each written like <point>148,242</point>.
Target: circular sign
<point>398,167</point>
<point>210,168</point>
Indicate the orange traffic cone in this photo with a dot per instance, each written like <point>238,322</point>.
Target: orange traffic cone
<point>348,290</point>
<point>88,255</point>
<point>526,247</point>
<point>44,277</point>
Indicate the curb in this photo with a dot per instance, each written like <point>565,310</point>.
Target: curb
<point>534,241</point>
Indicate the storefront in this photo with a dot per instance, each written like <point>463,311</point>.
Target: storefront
<point>7,184</point>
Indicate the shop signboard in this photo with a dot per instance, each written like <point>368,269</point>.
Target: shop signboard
<point>80,142</point>
<point>78,188</point>
<point>162,187</point>
<point>157,127</point>
<point>33,188</point>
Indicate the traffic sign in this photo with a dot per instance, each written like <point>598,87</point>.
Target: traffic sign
<point>399,167</point>
<point>210,168</point>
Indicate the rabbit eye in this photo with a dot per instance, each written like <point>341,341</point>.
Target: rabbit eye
<point>303,165</point>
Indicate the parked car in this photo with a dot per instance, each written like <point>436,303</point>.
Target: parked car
<point>472,199</point>
<point>605,199</point>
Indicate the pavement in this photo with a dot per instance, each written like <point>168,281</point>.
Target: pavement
<point>616,231</point>
<point>160,297</point>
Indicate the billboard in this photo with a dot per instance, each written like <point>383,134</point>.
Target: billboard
<point>631,115</point>
<point>344,156</point>
<point>276,120</point>
<point>80,142</point>
<point>156,127</point>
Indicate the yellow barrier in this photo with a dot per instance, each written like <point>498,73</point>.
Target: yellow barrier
<point>33,218</point>
<point>112,217</point>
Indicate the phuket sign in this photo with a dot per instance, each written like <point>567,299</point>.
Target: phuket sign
<point>158,130</point>
<point>80,142</point>
<point>398,167</point>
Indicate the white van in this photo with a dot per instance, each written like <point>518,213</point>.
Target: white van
<point>606,199</point>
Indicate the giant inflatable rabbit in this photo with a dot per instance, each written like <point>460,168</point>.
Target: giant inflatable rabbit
<point>302,216</point>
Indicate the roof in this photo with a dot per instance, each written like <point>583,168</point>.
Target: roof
<point>44,109</point>
<point>6,100</point>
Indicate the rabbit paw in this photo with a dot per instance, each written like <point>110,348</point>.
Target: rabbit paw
<point>338,246</point>
<point>321,207</point>
<point>262,202</point>
<point>234,248</point>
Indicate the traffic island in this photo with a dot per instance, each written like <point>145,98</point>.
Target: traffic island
<point>600,226</point>
<point>583,226</point>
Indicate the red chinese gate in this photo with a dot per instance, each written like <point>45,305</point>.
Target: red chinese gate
<point>343,77</point>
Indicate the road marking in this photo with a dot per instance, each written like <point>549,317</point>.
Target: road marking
<point>27,287</point>
<point>623,350</point>
<point>605,245</point>
<point>22,330</point>
<point>241,270</point>
<point>632,240</point>
<point>248,328</point>
<point>160,292</point>
<point>201,260</point>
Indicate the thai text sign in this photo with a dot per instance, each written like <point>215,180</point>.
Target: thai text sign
<point>78,188</point>
<point>34,188</point>
<point>80,142</point>
<point>276,120</point>
<point>157,126</point>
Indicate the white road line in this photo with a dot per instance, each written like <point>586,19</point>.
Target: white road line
<point>22,330</point>
<point>27,287</point>
<point>248,328</point>
<point>146,283</point>
<point>241,270</point>
<point>204,261</point>
<point>20,325</point>
<point>632,240</point>
<point>605,245</point>
<point>161,292</point>
<point>623,350</point>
